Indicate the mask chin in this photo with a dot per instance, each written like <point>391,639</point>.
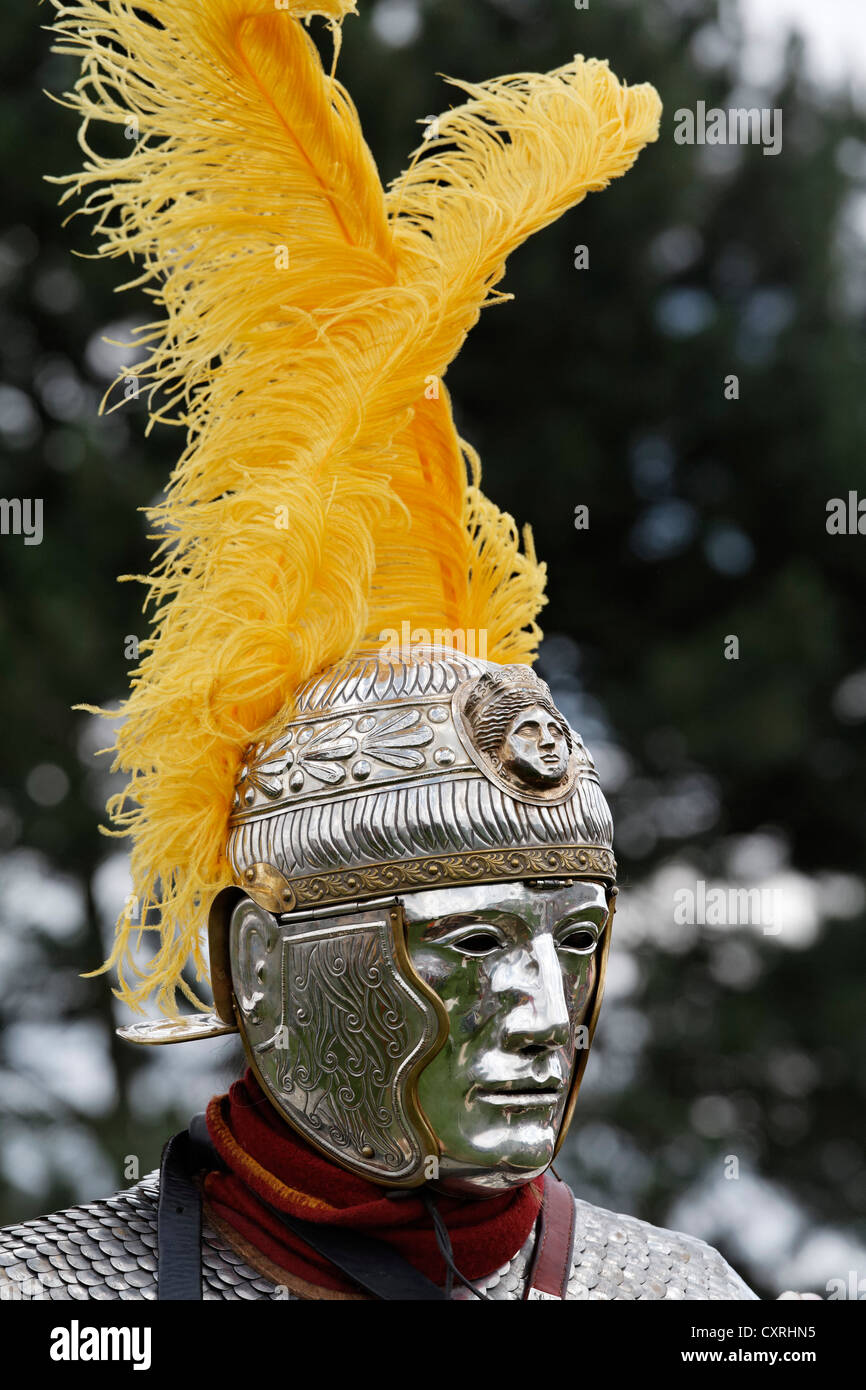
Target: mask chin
<point>508,1153</point>
<point>460,1179</point>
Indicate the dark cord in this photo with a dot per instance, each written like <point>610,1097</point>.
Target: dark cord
<point>443,1240</point>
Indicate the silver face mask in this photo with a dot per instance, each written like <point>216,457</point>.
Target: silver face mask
<point>517,967</point>
<point>440,1037</point>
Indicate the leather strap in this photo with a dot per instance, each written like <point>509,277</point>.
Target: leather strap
<point>554,1250</point>
<point>373,1265</point>
<point>178,1222</point>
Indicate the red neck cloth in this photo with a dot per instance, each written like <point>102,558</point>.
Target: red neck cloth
<point>265,1158</point>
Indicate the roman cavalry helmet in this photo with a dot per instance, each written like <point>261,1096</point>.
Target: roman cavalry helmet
<point>294,777</point>
<point>400,771</point>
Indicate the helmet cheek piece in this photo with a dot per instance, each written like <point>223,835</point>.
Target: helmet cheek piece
<point>336,1024</point>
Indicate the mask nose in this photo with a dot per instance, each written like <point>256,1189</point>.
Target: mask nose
<point>539,1021</point>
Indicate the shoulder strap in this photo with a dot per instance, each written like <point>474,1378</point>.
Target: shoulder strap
<point>178,1222</point>
<point>554,1249</point>
<point>373,1265</point>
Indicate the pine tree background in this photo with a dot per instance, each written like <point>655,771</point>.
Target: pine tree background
<point>601,387</point>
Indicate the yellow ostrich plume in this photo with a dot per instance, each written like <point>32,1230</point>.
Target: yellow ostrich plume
<point>305,320</point>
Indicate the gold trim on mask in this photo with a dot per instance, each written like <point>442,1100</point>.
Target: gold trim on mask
<point>583,1058</point>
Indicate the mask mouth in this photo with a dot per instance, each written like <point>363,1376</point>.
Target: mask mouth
<point>521,1093</point>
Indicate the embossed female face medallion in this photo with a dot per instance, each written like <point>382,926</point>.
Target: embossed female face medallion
<point>516,966</point>
<point>515,735</point>
<point>535,747</point>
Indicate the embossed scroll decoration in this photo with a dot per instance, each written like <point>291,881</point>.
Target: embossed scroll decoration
<point>353,1032</point>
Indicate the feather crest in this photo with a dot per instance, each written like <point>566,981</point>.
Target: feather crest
<point>305,322</point>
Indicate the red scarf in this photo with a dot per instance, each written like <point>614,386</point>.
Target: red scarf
<point>265,1158</point>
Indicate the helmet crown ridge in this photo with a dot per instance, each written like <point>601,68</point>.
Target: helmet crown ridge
<point>403,771</point>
